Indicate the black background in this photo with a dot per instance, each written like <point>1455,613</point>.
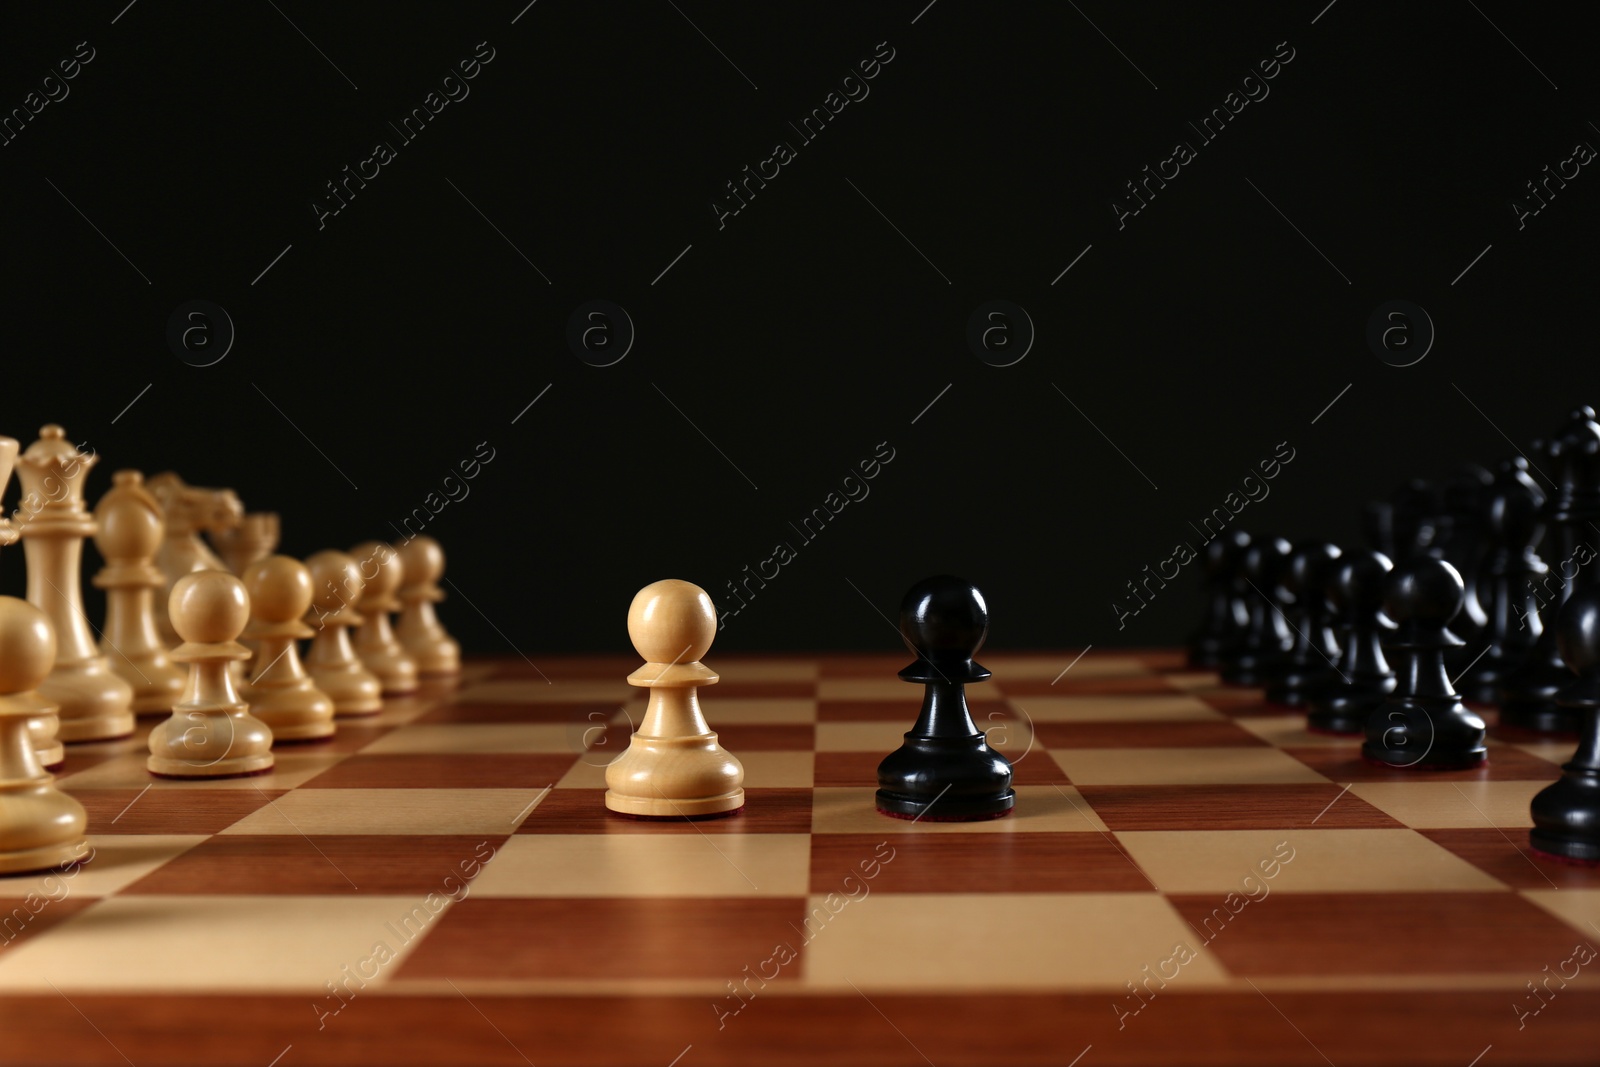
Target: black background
<point>807,330</point>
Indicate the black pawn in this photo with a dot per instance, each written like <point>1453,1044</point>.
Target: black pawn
<point>1315,653</point>
<point>1226,614</point>
<point>1464,545</point>
<point>1423,724</point>
<point>946,770</point>
<point>1511,603</point>
<point>1530,692</point>
<point>1566,815</point>
<point>1263,649</point>
<point>1377,523</point>
<point>1416,508</point>
<point>1364,680</point>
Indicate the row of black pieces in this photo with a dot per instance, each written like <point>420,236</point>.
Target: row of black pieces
<point>1275,613</point>
<point>1413,717</point>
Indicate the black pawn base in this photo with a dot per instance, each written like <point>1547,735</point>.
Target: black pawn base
<point>1345,710</point>
<point>1399,759</point>
<point>1538,718</point>
<point>1486,682</point>
<point>1528,701</point>
<point>945,780</point>
<point>1341,722</point>
<point>1251,669</point>
<point>1432,735</point>
<point>1299,687</point>
<point>1566,818</point>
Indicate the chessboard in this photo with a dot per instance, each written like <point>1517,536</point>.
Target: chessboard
<point>1189,876</point>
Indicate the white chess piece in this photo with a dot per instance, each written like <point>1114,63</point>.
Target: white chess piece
<point>94,703</point>
<point>211,733</point>
<point>40,826</point>
<point>673,766</point>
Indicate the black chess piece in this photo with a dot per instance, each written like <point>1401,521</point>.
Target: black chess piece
<point>1566,815</point>
<point>1463,544</point>
<point>1423,724</point>
<point>945,770</point>
<point>1315,653</point>
<point>1377,523</point>
<point>1226,614</point>
<point>1263,648</point>
<point>1571,514</point>
<point>1355,589</point>
<point>1416,508</point>
<point>1512,526</point>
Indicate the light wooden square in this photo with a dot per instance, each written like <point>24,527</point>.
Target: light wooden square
<point>1024,941</point>
<point>436,739</point>
<point>1191,679</point>
<point>1289,731</point>
<point>1322,861</point>
<point>1183,766</point>
<point>1557,752</point>
<point>1040,808</point>
<point>391,811</point>
<point>648,865</point>
<point>210,944</point>
<point>397,711</point>
<point>119,861</point>
<point>1455,805</point>
<point>1579,907</point>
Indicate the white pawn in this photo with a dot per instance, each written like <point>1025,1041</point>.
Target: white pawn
<point>336,586</point>
<point>673,766</point>
<point>279,691</point>
<point>40,826</point>
<point>128,534</point>
<point>41,728</point>
<point>376,645</point>
<point>436,653</point>
<point>211,733</point>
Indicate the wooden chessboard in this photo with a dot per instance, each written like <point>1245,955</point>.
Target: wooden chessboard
<point>1272,898</point>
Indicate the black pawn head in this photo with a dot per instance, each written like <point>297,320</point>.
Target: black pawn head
<point>1307,572</point>
<point>1264,563</point>
<point>1578,637</point>
<point>1225,554</point>
<point>1377,522</point>
<point>1512,512</point>
<point>1356,583</point>
<point>944,620</point>
<point>1422,595</point>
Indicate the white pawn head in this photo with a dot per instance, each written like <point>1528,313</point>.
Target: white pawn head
<point>422,560</point>
<point>208,607</point>
<point>335,580</point>
<point>27,646</point>
<point>279,588</point>
<point>383,571</point>
<point>672,621</point>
